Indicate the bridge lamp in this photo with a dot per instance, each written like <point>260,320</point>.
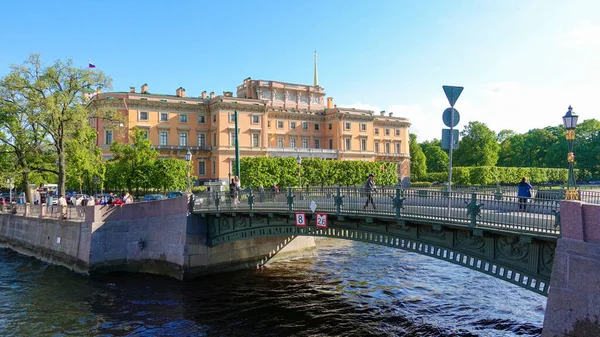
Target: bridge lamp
<point>299,162</point>
<point>570,123</point>
<point>188,158</point>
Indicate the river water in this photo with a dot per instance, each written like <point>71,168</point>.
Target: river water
<point>350,289</point>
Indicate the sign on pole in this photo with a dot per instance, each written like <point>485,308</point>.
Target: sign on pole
<point>300,219</point>
<point>321,220</point>
<point>452,93</point>
<point>449,120</point>
<point>446,139</point>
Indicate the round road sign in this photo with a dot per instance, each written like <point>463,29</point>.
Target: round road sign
<point>446,117</point>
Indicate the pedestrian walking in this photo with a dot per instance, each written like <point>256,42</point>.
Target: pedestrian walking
<point>523,193</point>
<point>369,190</point>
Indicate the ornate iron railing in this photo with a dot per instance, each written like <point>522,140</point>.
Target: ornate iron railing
<point>469,209</point>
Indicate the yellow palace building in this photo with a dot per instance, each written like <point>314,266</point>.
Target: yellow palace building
<point>276,119</point>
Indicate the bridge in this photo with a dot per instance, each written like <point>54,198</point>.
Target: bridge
<point>482,230</point>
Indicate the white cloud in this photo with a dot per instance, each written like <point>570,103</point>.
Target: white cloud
<point>500,105</point>
<point>584,35</point>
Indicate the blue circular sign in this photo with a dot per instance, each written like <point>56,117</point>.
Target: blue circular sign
<point>447,117</point>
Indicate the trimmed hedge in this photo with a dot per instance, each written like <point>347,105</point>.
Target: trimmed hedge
<point>489,175</point>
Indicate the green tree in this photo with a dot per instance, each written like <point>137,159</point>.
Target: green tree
<point>478,146</point>
<point>418,161</point>
<point>437,159</point>
<point>170,174</point>
<point>84,159</point>
<point>512,152</point>
<point>135,161</point>
<point>55,96</point>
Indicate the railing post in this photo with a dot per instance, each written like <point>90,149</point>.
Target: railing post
<point>250,200</point>
<point>43,211</point>
<point>217,200</point>
<point>27,209</point>
<point>474,209</point>
<point>399,201</point>
<point>339,201</point>
<point>290,200</point>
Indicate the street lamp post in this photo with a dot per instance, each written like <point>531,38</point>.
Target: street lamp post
<point>10,182</point>
<point>299,162</point>
<point>570,123</point>
<point>188,158</point>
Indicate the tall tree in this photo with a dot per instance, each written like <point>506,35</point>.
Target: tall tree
<point>478,146</point>
<point>135,160</point>
<point>55,95</point>
<point>437,159</point>
<point>20,134</point>
<point>418,161</point>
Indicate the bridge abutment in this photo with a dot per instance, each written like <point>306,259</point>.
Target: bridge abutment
<point>157,237</point>
<point>573,306</point>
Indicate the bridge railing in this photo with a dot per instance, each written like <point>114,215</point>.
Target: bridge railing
<point>471,209</point>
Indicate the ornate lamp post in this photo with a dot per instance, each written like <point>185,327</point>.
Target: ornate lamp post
<point>188,158</point>
<point>299,162</point>
<point>570,122</point>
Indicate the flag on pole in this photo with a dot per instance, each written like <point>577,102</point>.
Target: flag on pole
<point>90,64</point>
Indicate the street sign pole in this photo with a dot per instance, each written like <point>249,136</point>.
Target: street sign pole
<point>452,93</point>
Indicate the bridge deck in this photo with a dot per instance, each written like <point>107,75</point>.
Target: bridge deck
<point>484,210</point>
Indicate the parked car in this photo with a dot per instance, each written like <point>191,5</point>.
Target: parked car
<point>176,194</point>
<point>150,197</point>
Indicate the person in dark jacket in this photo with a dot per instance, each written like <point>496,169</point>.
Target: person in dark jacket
<point>524,193</point>
<point>369,189</point>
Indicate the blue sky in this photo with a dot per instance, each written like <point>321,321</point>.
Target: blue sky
<point>521,62</point>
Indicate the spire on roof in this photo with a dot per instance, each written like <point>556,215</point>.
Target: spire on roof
<point>316,75</point>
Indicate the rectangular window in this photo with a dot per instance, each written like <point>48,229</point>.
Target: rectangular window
<point>292,142</point>
<point>255,119</point>
<point>376,147</point>
<point>214,140</point>
<point>268,124</point>
<point>143,115</point>
<point>280,142</point>
<point>232,138</point>
<point>231,118</point>
<point>387,147</point>
<point>201,119</point>
<point>376,131</point>
<point>387,132</point>
<point>280,124</point>
<point>214,121</point>
<point>182,118</point>
<point>292,125</point>
<point>317,126</point>
<point>363,127</point>
<point>397,132</point>
<point>304,125</point>
<point>347,126</point>
<point>330,126</point>
<point>164,116</point>
<point>108,137</point>
<point>331,144</point>
<point>348,143</point>
<point>163,138</point>
<point>305,143</point>
<point>214,167</point>
<point>201,168</point>
<point>255,140</point>
<point>363,145</point>
<point>397,147</point>
<point>201,140</point>
<point>317,144</point>
<point>183,139</point>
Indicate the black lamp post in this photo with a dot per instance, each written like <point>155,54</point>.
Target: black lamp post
<point>299,162</point>
<point>188,158</point>
<point>570,123</point>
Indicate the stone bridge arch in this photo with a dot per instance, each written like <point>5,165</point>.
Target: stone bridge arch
<point>519,259</point>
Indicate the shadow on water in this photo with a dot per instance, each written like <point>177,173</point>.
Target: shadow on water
<point>349,290</point>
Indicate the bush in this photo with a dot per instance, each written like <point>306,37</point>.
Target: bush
<point>420,184</point>
<point>491,175</point>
